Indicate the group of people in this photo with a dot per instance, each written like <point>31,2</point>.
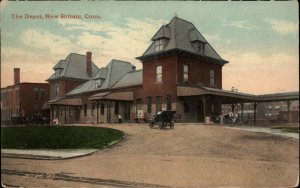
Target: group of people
<point>232,118</point>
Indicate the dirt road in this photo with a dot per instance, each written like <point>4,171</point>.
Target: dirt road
<point>187,156</point>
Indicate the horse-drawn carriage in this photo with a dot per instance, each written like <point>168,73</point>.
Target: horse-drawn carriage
<point>163,119</point>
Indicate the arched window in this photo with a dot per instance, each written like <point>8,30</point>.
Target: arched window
<point>159,73</point>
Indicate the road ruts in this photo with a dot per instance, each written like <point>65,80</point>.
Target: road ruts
<point>64,177</point>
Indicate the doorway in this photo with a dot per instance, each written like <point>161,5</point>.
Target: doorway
<point>200,116</point>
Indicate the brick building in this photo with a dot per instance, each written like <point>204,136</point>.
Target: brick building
<point>181,72</point>
<point>23,99</point>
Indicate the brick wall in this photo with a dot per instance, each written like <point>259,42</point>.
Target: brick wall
<point>151,88</point>
<point>199,71</point>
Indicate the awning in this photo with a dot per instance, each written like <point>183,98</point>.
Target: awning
<point>278,96</point>
<point>122,96</point>
<point>66,102</point>
<point>185,91</point>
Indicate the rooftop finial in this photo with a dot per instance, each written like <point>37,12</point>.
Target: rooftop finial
<point>175,15</point>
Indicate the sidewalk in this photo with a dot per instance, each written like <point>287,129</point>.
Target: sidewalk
<point>46,153</point>
<point>277,132</point>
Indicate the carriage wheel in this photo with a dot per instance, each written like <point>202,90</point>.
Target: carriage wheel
<point>172,125</point>
<point>151,124</point>
<point>161,125</point>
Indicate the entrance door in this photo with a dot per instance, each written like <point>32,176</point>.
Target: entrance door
<point>126,111</point>
<point>200,117</point>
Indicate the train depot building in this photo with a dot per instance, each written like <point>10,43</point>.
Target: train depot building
<point>181,72</point>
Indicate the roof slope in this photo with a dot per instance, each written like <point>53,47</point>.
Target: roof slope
<point>129,79</point>
<point>116,74</point>
<point>74,66</point>
<point>180,34</point>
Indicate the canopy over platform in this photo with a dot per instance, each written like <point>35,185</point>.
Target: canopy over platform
<point>226,97</point>
<point>122,96</point>
<point>278,97</point>
<point>229,97</point>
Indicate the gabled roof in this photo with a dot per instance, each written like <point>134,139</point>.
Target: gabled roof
<point>116,71</point>
<point>180,35</point>
<point>74,66</point>
<point>129,79</point>
<point>101,73</point>
<point>60,65</point>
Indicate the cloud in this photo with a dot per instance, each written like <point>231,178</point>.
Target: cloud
<point>109,41</point>
<point>284,27</point>
<point>217,42</point>
<point>35,67</point>
<point>106,40</point>
<point>252,73</point>
<point>242,25</point>
<point>44,40</point>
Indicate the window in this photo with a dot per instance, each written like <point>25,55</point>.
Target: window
<point>159,73</point>
<point>138,102</point>
<point>42,94</point>
<point>169,102</point>
<point>102,108</point>
<point>116,107</point>
<point>17,95</point>
<point>149,104</point>
<point>98,83</point>
<point>85,109</point>
<point>159,45</point>
<point>70,111</point>
<point>158,103</point>
<point>56,90</point>
<point>56,111</point>
<point>201,47</point>
<point>36,94</point>
<point>92,109</point>
<point>185,73</point>
<point>212,78</point>
<point>57,72</point>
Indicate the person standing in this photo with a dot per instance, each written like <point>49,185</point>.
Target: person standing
<point>120,118</point>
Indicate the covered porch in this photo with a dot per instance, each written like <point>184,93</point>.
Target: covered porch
<point>65,110</point>
<point>109,105</point>
<point>207,102</point>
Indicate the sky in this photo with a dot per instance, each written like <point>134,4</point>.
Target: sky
<point>259,39</point>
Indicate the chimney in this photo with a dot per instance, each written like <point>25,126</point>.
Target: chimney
<point>89,64</point>
<point>16,76</point>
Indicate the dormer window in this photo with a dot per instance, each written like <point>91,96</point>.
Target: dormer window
<point>57,72</point>
<point>201,47</point>
<point>98,83</point>
<point>159,44</point>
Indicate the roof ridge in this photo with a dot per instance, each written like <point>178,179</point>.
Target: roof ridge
<point>67,65</point>
<point>121,60</point>
<point>175,33</point>
<point>111,68</point>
